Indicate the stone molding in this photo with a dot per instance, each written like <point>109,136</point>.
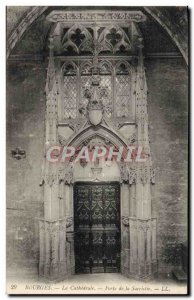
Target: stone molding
<point>179,38</point>
<point>138,235</point>
<point>95,16</point>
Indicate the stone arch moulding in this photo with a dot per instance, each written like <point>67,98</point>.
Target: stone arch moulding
<point>134,229</point>
<point>56,229</point>
<point>103,135</point>
<point>137,257</point>
<point>103,132</point>
<point>110,173</point>
<point>37,11</point>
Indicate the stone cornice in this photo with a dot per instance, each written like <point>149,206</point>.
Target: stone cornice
<point>95,16</point>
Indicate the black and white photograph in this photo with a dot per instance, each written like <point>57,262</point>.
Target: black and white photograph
<point>97,150</point>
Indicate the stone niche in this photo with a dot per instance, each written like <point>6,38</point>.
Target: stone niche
<point>81,109</point>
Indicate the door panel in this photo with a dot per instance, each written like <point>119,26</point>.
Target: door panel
<point>97,227</point>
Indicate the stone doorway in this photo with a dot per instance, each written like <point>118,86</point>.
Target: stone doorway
<point>98,100</point>
<point>97,227</point>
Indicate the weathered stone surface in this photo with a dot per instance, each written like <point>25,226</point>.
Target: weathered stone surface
<point>168,113</point>
<point>167,108</point>
<point>25,128</point>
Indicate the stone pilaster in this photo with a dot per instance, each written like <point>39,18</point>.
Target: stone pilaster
<point>140,224</point>
<point>52,229</point>
<point>124,229</point>
<point>143,262</point>
<point>52,262</point>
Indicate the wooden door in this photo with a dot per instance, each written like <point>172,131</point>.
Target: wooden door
<point>97,227</point>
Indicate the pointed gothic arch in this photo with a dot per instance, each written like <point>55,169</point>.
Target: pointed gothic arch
<point>138,227</point>
<point>178,38</point>
<point>103,132</point>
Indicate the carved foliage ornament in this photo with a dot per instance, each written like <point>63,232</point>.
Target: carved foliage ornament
<point>66,175</point>
<point>137,174</point>
<point>75,16</point>
<point>145,174</point>
<point>62,175</point>
<point>51,179</point>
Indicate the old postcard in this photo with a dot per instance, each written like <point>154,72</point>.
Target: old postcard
<point>97,150</point>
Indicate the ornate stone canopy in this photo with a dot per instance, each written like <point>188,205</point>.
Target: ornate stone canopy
<point>103,102</point>
<point>160,15</point>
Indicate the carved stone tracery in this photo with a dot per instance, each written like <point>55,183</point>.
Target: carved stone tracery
<point>113,94</point>
<point>78,39</point>
<point>61,16</point>
<point>137,174</point>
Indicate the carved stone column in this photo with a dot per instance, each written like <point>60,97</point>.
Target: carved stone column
<point>67,182</point>
<point>52,262</point>
<point>52,228</point>
<point>125,246</point>
<point>125,251</point>
<point>140,224</point>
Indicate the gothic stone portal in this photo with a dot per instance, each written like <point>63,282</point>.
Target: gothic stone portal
<point>96,93</point>
<point>97,227</point>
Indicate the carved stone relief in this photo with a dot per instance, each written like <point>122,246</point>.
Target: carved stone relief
<point>99,105</point>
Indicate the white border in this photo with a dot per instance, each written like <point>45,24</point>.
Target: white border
<point>3,106</point>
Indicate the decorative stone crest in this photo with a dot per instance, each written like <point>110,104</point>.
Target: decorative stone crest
<point>69,222</point>
<point>18,153</point>
<point>125,220</point>
<point>95,106</point>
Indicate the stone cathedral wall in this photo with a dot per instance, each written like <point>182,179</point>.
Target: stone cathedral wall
<point>167,110</point>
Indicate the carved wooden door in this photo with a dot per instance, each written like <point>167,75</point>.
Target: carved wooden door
<point>97,227</point>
